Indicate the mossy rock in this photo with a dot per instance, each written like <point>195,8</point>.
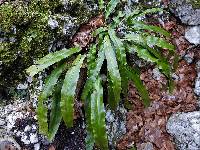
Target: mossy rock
<point>195,3</point>
<point>26,35</point>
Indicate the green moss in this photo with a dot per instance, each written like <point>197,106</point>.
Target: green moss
<point>27,23</point>
<point>195,3</point>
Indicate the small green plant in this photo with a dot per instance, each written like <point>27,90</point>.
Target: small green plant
<point>112,49</point>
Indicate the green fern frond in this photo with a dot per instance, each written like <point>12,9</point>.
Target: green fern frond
<point>47,91</point>
<point>98,116</point>
<point>139,25</point>
<point>134,76</point>
<point>149,41</point>
<point>110,49</point>
<point>50,59</point>
<point>68,91</point>
<point>114,79</point>
<point>55,115</point>
<point>138,14</point>
<point>110,8</point>
<point>101,4</point>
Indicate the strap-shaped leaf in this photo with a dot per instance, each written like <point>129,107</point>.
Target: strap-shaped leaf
<point>121,57</point>
<point>138,25</point>
<point>114,75</point>
<point>55,115</point>
<point>120,48</point>
<point>68,91</point>
<point>99,30</point>
<point>101,4</point>
<point>117,20</point>
<point>47,91</point>
<point>98,116</point>
<point>111,6</point>
<point>149,41</point>
<point>50,59</point>
<point>132,75</point>
<point>94,67</point>
<point>152,40</point>
<point>143,53</point>
<point>89,141</point>
<point>147,11</point>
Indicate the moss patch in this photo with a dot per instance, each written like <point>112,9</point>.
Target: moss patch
<point>195,3</point>
<point>25,34</point>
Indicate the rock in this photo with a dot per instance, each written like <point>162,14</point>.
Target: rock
<point>197,85</point>
<point>8,143</point>
<point>115,124</point>
<point>53,23</point>
<point>185,128</point>
<point>22,86</point>
<point>147,146</point>
<point>187,10</point>
<point>2,122</point>
<point>192,34</point>
<point>23,40</point>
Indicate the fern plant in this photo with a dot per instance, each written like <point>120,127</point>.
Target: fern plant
<point>112,49</point>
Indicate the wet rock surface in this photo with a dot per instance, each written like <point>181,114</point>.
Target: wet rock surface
<point>185,128</point>
<point>185,10</point>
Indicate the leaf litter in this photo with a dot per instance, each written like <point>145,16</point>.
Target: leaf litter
<point>146,127</point>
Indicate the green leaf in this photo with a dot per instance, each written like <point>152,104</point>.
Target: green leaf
<point>139,25</point>
<point>121,57</point>
<point>68,91</point>
<point>94,67</point>
<point>55,115</point>
<point>111,6</point>
<point>47,91</point>
<point>50,59</point>
<point>117,20</point>
<point>114,75</point>
<point>147,11</point>
<point>99,30</point>
<point>132,75</point>
<point>101,4</point>
<point>98,116</point>
<point>149,41</point>
<point>143,53</point>
<point>152,41</point>
<point>89,127</point>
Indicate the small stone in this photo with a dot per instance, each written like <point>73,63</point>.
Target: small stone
<point>193,35</point>
<point>37,146</point>
<point>185,11</point>
<point>197,85</point>
<point>147,146</point>
<point>22,86</point>
<point>52,23</point>
<point>27,128</point>
<point>156,74</point>
<point>2,122</point>
<point>33,138</point>
<point>185,128</point>
<point>25,140</point>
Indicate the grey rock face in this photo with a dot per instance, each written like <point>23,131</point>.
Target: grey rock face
<point>192,34</point>
<point>115,124</point>
<point>185,128</point>
<point>185,11</point>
